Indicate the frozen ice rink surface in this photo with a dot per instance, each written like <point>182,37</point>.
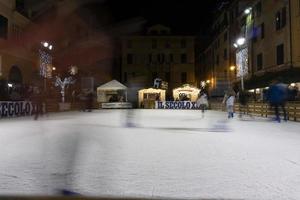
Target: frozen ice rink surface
<point>170,153</point>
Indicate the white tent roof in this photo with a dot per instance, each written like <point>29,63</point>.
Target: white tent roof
<point>112,85</point>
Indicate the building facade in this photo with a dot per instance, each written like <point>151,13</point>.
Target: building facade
<point>263,44</point>
<point>16,62</point>
<point>158,54</point>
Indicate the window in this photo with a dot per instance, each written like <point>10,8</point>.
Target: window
<point>183,77</point>
<point>280,19</point>
<point>255,33</point>
<point>161,58</point>
<point>280,54</point>
<point>129,58</point>
<point>183,43</point>
<point>283,17</point>
<point>225,36</point>
<point>225,54</point>
<point>262,31</point>
<point>154,44</point>
<point>258,9</point>
<point>183,58</point>
<point>125,77</point>
<point>3,27</point>
<point>259,62</point>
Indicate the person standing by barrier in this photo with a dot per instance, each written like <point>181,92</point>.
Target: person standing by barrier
<point>202,101</point>
<point>243,99</point>
<point>37,103</point>
<point>228,100</point>
<point>277,96</point>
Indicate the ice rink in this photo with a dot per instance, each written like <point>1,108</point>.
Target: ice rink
<point>169,153</point>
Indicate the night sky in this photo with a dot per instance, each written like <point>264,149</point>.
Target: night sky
<point>183,16</point>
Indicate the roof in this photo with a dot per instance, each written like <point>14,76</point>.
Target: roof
<point>112,85</point>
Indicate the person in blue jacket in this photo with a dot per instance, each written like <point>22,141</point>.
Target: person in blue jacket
<point>277,96</point>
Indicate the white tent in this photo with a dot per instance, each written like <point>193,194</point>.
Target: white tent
<point>106,90</point>
<point>112,85</point>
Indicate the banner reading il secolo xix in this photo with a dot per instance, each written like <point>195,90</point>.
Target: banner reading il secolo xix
<point>15,108</point>
<point>175,105</point>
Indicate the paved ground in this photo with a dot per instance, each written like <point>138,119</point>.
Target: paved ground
<point>168,154</point>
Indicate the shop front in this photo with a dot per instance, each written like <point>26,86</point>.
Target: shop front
<point>147,97</point>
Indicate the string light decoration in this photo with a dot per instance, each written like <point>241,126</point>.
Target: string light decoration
<point>242,62</point>
<point>62,84</point>
<point>45,64</point>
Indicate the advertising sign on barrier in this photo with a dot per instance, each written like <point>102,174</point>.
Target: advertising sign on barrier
<point>175,105</point>
<point>15,108</point>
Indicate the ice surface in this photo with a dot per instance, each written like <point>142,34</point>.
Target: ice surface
<point>170,153</point>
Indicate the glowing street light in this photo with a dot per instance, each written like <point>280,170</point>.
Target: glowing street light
<point>235,45</point>
<point>232,68</point>
<point>247,11</point>
<point>10,85</point>
<point>46,44</point>
<point>208,81</point>
<point>241,41</point>
<point>50,47</point>
<point>53,68</point>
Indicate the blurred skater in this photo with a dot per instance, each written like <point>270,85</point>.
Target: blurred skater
<point>277,96</point>
<point>202,101</point>
<point>228,100</point>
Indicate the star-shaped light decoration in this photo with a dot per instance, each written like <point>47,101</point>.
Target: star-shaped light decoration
<point>73,70</point>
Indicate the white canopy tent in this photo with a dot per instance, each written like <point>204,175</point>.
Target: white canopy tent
<point>190,91</point>
<point>105,91</point>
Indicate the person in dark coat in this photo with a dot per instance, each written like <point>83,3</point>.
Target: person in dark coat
<point>243,99</point>
<point>277,96</point>
<point>89,101</point>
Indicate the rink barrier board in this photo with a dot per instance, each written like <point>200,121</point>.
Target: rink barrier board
<point>263,109</point>
<point>91,198</point>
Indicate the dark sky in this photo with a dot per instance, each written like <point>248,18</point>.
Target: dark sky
<point>183,16</point>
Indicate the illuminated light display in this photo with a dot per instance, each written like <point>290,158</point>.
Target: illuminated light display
<point>242,62</point>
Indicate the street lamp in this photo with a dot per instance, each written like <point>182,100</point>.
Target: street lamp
<point>247,11</point>
<point>232,68</point>
<point>240,41</point>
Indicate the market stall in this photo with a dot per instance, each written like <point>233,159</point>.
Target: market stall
<point>113,95</point>
<point>147,97</point>
<point>186,93</point>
